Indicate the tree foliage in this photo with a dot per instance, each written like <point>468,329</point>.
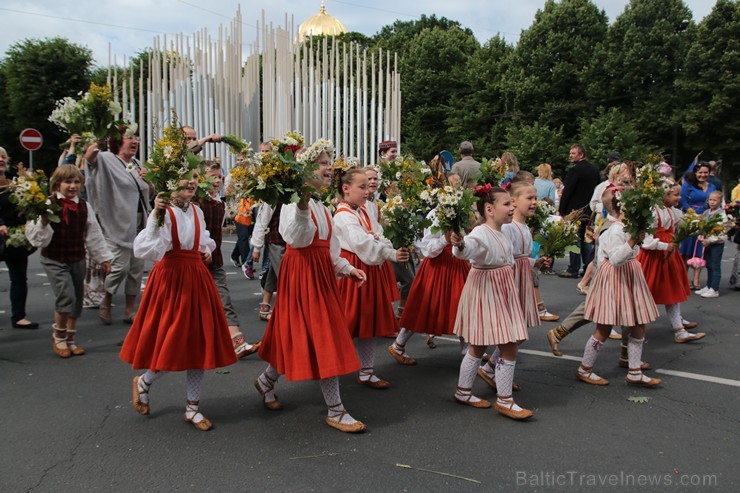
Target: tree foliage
<point>35,74</point>
<point>611,130</point>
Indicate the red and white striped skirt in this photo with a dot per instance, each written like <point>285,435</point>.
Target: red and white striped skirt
<point>525,287</point>
<point>620,296</point>
<point>489,312</point>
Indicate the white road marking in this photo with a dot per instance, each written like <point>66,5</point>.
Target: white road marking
<point>41,275</point>
<point>673,373</point>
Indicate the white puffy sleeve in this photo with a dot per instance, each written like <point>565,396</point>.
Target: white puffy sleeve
<point>261,222</point>
<point>37,234</point>
<point>95,243</point>
<point>596,205</point>
<point>432,244</point>
<point>475,247</point>
<point>153,241</point>
<point>207,244</point>
<point>342,267</point>
<point>352,234</point>
<point>296,226</point>
<point>615,246</point>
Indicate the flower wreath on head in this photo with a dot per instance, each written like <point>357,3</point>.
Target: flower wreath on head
<point>346,163</point>
<point>312,152</point>
<point>131,129</point>
<point>482,190</point>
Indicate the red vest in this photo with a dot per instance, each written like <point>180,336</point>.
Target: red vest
<point>68,243</point>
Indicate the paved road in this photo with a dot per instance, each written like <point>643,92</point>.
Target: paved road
<point>68,425</point>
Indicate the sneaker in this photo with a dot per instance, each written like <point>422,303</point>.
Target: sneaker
<point>710,293</point>
<point>248,271</point>
<point>235,263</point>
<point>701,291</point>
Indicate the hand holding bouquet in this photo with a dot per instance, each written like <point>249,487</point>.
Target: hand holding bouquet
<point>454,208</point>
<point>639,201</point>
<point>402,226</point>
<point>29,190</point>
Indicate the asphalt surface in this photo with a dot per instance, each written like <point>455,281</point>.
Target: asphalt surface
<point>69,425</point>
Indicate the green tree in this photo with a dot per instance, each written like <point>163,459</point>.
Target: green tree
<point>549,74</point>
<point>35,74</point>
<point>482,114</point>
<point>709,86</point>
<point>636,67</point>
<point>429,87</point>
<point>607,131</point>
<point>398,36</point>
<point>535,143</point>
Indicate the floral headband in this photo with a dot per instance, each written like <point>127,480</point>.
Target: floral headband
<point>312,153</point>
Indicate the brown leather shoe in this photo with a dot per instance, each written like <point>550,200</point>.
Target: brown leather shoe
<point>587,378</point>
<point>272,405</point>
<point>139,406</point>
<point>202,425</point>
<point>60,346</point>
<point>380,384</point>
<point>507,411</point>
<point>691,338</point>
<point>644,380</point>
<point>401,358</point>
<point>553,340</point>
<point>356,427</point>
<point>480,404</point>
<point>690,325</point>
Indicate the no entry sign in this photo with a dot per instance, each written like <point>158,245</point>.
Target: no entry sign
<point>31,139</point>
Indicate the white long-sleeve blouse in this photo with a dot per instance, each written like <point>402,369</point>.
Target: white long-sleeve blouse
<point>153,242</point>
<point>486,247</point>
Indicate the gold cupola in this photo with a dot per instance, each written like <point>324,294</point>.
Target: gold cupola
<point>320,24</point>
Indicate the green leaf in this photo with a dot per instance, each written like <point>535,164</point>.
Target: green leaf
<point>572,249</point>
<point>639,399</point>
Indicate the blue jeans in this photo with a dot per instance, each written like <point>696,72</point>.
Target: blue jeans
<point>585,255</point>
<point>242,252</point>
<point>713,257</point>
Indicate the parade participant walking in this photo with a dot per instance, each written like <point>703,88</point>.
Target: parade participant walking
<point>63,254</point>
<point>182,325</point>
<point>307,337</point>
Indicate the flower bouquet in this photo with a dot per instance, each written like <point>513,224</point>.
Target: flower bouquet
<point>687,227</point>
<point>408,177</point>
<point>713,225</point>
<point>492,171</point>
<point>290,142</point>
<point>238,146</point>
<point>29,190</point>
<point>454,209</point>
<point>17,238</point>
<point>540,217</point>
<point>93,116</point>
<point>639,201</point>
<point>733,210</point>
<point>558,236</point>
<point>170,162</point>
<point>402,226</point>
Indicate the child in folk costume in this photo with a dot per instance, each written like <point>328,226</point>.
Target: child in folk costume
<point>307,337</point>
<point>214,211</point>
<point>663,267</point>
<point>181,324</point>
<point>490,312</point>
<point>524,198</point>
<point>435,294</point>
<point>618,295</point>
<point>63,254</point>
<point>369,310</point>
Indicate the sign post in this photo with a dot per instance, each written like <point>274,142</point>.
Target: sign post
<point>31,140</point>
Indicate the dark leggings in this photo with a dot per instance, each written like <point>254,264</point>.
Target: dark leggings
<point>17,262</point>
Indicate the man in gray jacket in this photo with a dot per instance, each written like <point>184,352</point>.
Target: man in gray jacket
<point>467,167</point>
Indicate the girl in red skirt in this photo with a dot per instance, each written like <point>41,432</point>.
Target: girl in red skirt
<point>435,294</point>
<point>307,337</point>
<point>524,198</point>
<point>618,295</point>
<point>369,311</point>
<point>181,324</point>
<point>490,313</point>
<point>664,269</point>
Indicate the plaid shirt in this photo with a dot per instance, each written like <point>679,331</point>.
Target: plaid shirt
<point>68,243</point>
<point>213,214</point>
<point>273,236</point>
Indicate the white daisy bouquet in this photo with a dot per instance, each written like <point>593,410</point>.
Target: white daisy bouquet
<point>29,190</point>
<point>558,236</point>
<point>402,226</point>
<point>454,208</point>
<point>541,215</point>
<point>409,178</point>
<point>17,238</point>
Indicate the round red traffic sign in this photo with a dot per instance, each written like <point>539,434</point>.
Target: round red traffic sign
<point>31,139</point>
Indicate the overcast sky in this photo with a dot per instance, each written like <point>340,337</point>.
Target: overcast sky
<point>130,25</point>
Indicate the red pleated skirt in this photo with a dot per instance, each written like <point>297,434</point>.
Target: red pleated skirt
<point>181,323</point>
<point>667,278</point>
<point>307,337</point>
<point>431,306</point>
<point>525,288</point>
<point>369,308</point>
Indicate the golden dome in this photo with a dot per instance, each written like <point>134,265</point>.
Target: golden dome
<point>320,24</point>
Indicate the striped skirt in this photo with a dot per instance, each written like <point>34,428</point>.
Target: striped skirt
<point>620,296</point>
<point>525,287</point>
<point>489,312</point>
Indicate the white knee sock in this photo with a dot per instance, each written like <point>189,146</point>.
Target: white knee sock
<point>674,315</point>
<point>145,382</point>
<point>401,340</point>
<point>634,353</point>
<point>195,385</point>
<point>591,352</point>
<point>504,382</point>
<point>468,371</point>
<point>490,366</point>
<point>330,389</point>
<point>366,353</point>
<point>267,381</point>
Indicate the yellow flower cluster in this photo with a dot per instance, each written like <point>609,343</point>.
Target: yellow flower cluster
<point>100,92</point>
